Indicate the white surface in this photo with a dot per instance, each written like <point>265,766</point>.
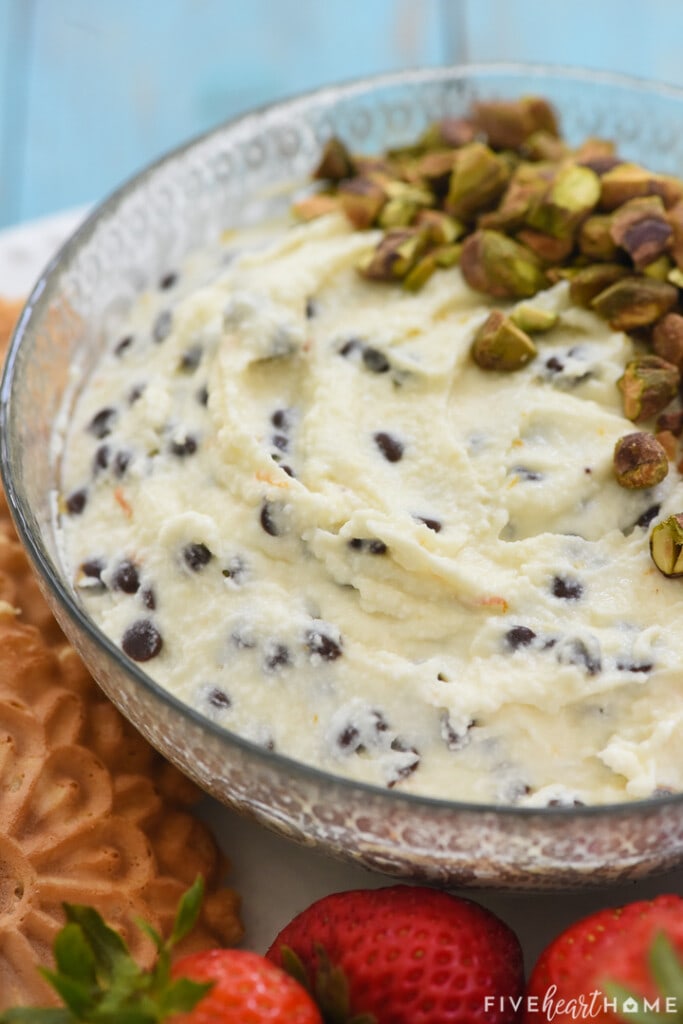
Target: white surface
<point>275,877</point>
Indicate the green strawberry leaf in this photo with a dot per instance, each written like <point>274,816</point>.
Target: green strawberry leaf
<point>667,969</point>
<point>30,1015</point>
<point>183,995</point>
<point>77,996</point>
<point>188,911</point>
<point>293,965</point>
<point>107,946</point>
<point>73,955</point>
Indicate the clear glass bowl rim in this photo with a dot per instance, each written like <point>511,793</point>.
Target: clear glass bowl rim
<point>37,302</point>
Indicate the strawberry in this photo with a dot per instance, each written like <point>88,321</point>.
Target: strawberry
<point>404,955</point>
<point>100,983</point>
<point>622,963</point>
<point>247,989</point>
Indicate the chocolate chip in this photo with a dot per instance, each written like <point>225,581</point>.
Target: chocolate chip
<point>191,359</point>
<point>288,470</point>
<point>168,280</point>
<point>281,442</point>
<point>311,308</point>
<point>554,364</point>
<point>527,474</point>
<point>407,769</point>
<point>566,588</point>
<point>277,657</point>
<point>162,326</point>
<point>270,518</point>
<point>203,395</point>
<point>453,739</point>
<point>76,502</point>
<point>148,598</point>
<point>93,568</point>
<point>322,646</point>
<point>431,524</point>
<point>630,666</point>
<point>101,459</point>
<point>142,641</point>
<point>375,361</point>
<point>124,344</point>
<point>135,393</point>
<point>557,802</point>
<point>126,578</point>
<point>121,462</point>
<point>372,545</point>
<point>390,447</point>
<point>183,448</point>
<point>350,346</point>
<point>196,556</point>
<point>348,738</point>
<point>519,636</point>
<point>281,419</point>
<point>648,515</point>
<point>377,547</point>
<point>102,422</point>
<point>585,654</point>
<point>235,570</point>
<point>219,698</point>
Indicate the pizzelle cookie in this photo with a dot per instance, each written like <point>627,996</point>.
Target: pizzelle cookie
<point>90,812</point>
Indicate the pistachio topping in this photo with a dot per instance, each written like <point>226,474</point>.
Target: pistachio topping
<point>640,461</point>
<point>569,198</point>
<point>533,319</point>
<point>509,123</point>
<point>336,163</point>
<point>666,546</point>
<point>500,344</point>
<point>667,339</point>
<point>493,263</point>
<point>641,228</point>
<point>647,386</point>
<point>633,302</point>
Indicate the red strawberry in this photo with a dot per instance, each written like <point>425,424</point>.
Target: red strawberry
<point>625,953</point>
<point>247,989</point>
<point>404,955</point>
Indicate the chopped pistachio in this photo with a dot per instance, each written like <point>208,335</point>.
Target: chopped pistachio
<point>418,275</point>
<point>641,228</point>
<point>336,163</point>
<point>630,181</point>
<point>548,249</point>
<point>667,439</point>
<point>478,180</point>
<point>397,213</point>
<point>667,339</point>
<point>500,345</point>
<point>435,168</point>
<point>569,199</point>
<point>588,282</point>
<point>493,263</point>
<point>314,206</point>
<point>675,277</point>
<point>640,461</point>
<point>509,123</point>
<point>395,255</point>
<point>533,319</point>
<point>635,302</point>
<point>660,269</point>
<point>361,199</point>
<point>450,131</point>
<point>666,546</point>
<point>447,255</point>
<point>527,184</point>
<point>647,386</point>
<point>594,149</point>
<point>544,145</point>
<point>675,218</point>
<point>442,228</point>
<point>595,240</point>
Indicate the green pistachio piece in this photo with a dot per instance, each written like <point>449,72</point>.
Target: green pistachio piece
<point>675,277</point>
<point>647,386</point>
<point>395,255</point>
<point>361,199</point>
<point>435,168</point>
<point>544,145</point>
<point>661,269</point>
<point>477,181</point>
<point>533,319</point>
<point>442,228</point>
<point>495,264</point>
<point>499,344</point>
<point>635,302</point>
<point>595,239</point>
<point>569,199</point>
<point>675,218</point>
<point>452,132</point>
<point>641,228</point>
<point>447,255</point>
<point>588,282</point>
<point>639,461</point>
<point>418,275</point>
<point>630,181</point>
<point>336,163</point>
<point>314,206</point>
<point>509,123</point>
<point>528,183</point>
<point>666,546</point>
<point>548,248</point>
<point>667,339</point>
<point>397,213</point>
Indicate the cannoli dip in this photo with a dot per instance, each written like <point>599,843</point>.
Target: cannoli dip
<point>293,497</point>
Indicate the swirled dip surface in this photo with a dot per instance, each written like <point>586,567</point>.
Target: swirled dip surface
<point>292,494</point>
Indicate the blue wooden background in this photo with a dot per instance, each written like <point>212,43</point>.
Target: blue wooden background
<point>90,90</point>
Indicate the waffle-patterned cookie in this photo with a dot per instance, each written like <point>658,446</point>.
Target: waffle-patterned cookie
<point>89,812</point>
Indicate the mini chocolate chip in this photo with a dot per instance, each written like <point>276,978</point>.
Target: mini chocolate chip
<point>203,395</point>
<point>121,462</point>
<point>575,651</point>
<point>377,547</point>
<point>77,501</point>
<point>219,698</point>
<point>311,308</point>
<point>569,589</point>
<point>93,568</point>
<point>269,518</point>
<point>453,739</point>
<point>406,769</point>
<point>148,598</point>
<point>123,345</point>
<point>168,280</point>
<point>431,524</point>
<point>557,802</point>
<point>135,393</point>
<point>101,423</point>
<point>381,724</point>
<point>350,346</point>
<point>527,474</point>
<point>277,656</point>
<point>162,325</point>
<point>375,361</point>
<point>101,459</point>
<point>348,737</point>
<point>630,666</point>
<point>126,578</point>
<point>142,640</point>
<point>281,442</point>
<point>322,646</point>
<point>191,359</point>
<point>648,515</point>
<point>390,447</point>
<point>288,470</point>
<point>372,545</point>
<point>554,364</point>
<point>519,636</point>
<point>280,419</point>
<point>183,448</point>
<point>196,556</point>
<point>235,570</point>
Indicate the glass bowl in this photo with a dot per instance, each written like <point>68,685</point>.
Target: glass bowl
<point>237,175</point>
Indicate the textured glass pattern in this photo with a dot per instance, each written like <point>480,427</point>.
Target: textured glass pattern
<point>234,176</point>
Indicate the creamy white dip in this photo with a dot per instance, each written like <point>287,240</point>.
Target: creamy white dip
<point>295,497</point>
